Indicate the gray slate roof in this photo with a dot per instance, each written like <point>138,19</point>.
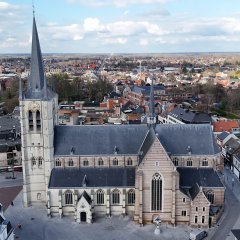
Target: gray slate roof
<point>222,135</point>
<point>99,140</point>
<point>177,137</point>
<point>204,177</point>
<point>95,177</point>
<point>190,117</point>
<point>148,141</point>
<point>37,86</point>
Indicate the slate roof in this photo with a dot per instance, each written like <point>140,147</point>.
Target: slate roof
<point>147,143</point>
<point>194,190</point>
<point>37,81</point>
<point>176,138</point>
<point>86,196</point>
<point>222,135</point>
<point>96,177</point>
<point>7,123</point>
<point>99,140</point>
<point>190,117</point>
<point>204,177</point>
<point>236,233</point>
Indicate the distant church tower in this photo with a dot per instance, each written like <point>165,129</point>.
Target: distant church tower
<point>38,112</point>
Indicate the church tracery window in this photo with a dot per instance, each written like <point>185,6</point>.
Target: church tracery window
<point>129,162</point>
<point>34,162</point>
<point>115,197</point>
<point>70,163</point>
<point>58,163</point>
<point>100,162</point>
<point>85,162</point>
<point>115,162</point>
<point>156,194</point>
<point>210,196</point>
<point>100,197</point>
<point>68,197</point>
<point>131,197</point>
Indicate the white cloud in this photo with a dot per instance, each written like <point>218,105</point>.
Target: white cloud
<point>7,6</point>
<point>92,24</point>
<point>115,41</point>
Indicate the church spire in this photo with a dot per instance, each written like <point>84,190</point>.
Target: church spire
<point>151,120</point>
<point>37,80</point>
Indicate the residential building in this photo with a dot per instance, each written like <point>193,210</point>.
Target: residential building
<point>6,229</point>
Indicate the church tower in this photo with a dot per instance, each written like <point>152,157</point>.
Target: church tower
<point>38,116</point>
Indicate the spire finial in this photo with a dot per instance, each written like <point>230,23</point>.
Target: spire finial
<point>33,7</point>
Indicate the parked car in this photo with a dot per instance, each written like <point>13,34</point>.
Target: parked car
<point>197,234</point>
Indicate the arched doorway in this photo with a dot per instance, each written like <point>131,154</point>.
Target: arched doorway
<point>83,217</point>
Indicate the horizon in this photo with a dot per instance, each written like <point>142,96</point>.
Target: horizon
<point>116,27</point>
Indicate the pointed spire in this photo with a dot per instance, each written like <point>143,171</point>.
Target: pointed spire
<point>37,78</point>
<point>151,109</point>
<point>151,119</point>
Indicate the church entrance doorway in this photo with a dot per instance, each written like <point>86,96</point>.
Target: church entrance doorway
<point>83,216</point>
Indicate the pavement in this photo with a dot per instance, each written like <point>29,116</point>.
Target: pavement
<point>9,187</point>
<point>35,225</point>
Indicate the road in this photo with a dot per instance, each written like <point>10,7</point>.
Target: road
<point>232,210</point>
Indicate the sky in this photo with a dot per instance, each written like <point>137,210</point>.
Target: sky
<point>121,26</point>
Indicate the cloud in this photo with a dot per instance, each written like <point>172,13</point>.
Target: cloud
<point>92,24</point>
<point>7,6</point>
<point>116,3</point>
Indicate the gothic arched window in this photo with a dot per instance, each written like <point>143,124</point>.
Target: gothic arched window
<point>129,162</point>
<point>38,120</point>
<point>210,196</point>
<point>70,163</point>
<point>115,162</point>
<point>30,120</point>
<point>131,197</point>
<point>156,188</point>
<point>115,197</point>
<point>34,162</point>
<point>100,197</point>
<point>40,161</point>
<point>58,163</point>
<point>68,197</point>
<point>100,162</point>
<point>175,161</point>
<point>85,162</point>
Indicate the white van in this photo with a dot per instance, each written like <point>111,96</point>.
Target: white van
<point>197,234</point>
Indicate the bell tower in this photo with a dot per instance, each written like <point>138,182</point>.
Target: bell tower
<point>38,116</point>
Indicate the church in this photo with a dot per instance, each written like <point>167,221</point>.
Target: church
<point>142,171</point>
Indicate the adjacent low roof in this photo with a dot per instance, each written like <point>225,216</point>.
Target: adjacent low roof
<point>221,126</point>
<point>222,135</point>
<point>204,177</point>
<point>92,177</point>
<point>177,139</point>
